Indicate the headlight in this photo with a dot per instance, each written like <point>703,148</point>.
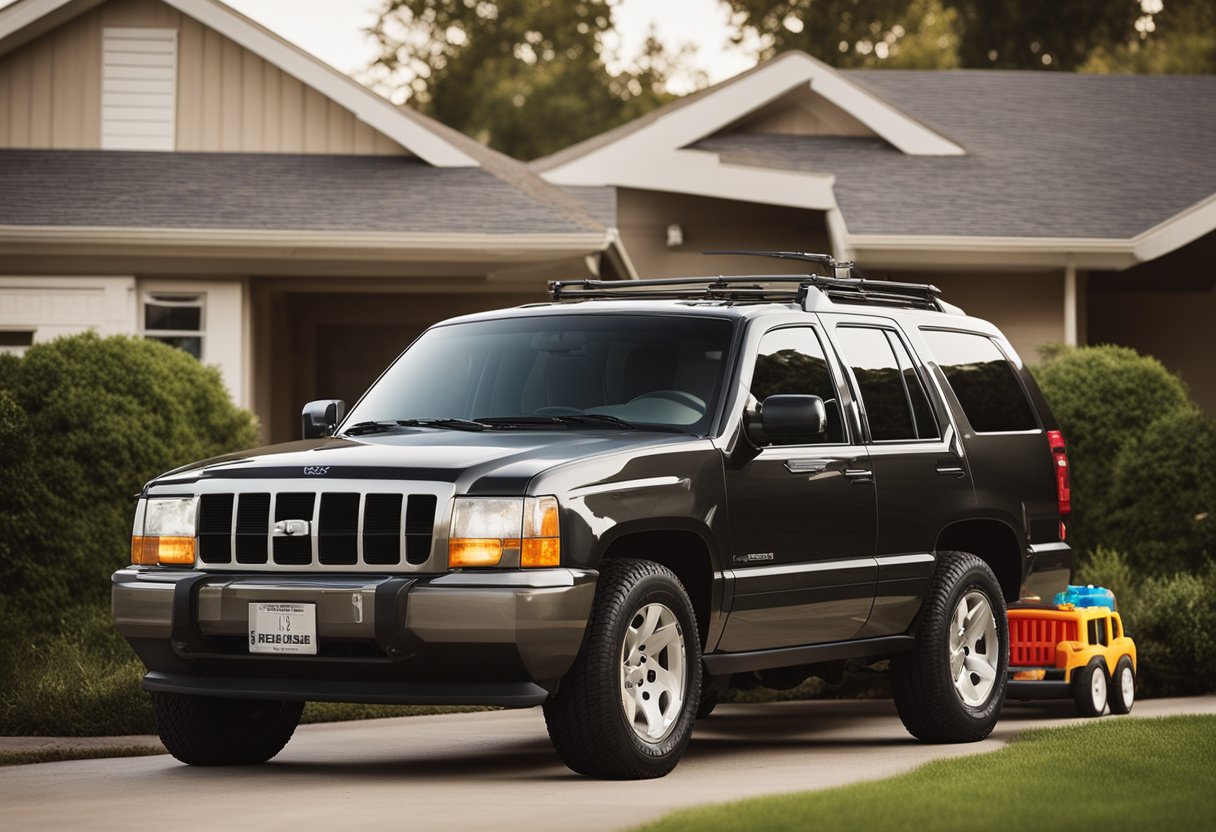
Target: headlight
<point>164,532</point>
<point>499,531</point>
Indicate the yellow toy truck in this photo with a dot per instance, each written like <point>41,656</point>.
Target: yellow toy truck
<point>1074,648</point>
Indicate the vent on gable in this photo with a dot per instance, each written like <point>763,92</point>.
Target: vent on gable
<point>138,88</point>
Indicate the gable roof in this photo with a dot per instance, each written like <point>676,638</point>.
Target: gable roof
<point>451,187</point>
<point>657,151</point>
<point>1113,170</point>
<point>27,19</point>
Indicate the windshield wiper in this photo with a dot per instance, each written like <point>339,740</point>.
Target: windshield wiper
<point>506,422</point>
<point>379,427</point>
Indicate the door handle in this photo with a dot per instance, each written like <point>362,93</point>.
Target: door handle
<point>951,469</point>
<point>859,475</point>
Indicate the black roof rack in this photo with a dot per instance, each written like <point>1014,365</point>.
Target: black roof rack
<point>783,288</point>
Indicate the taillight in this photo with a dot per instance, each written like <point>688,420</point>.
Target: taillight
<point>1059,460</point>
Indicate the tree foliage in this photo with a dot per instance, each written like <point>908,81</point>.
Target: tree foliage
<point>526,77</point>
<point>1087,35</point>
<point>920,34</point>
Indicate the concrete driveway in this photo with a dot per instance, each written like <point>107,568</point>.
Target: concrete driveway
<point>493,771</point>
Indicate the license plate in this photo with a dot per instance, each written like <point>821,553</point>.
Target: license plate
<point>284,629</point>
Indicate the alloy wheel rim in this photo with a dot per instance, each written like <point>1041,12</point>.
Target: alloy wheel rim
<point>974,649</point>
<point>654,672</point>
<point>1128,683</point>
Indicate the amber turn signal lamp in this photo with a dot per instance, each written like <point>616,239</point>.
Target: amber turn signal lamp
<point>162,551</point>
<point>474,551</point>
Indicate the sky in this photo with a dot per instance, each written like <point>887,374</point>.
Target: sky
<point>331,30</point>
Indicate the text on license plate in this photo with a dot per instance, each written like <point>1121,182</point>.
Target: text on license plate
<point>283,629</point>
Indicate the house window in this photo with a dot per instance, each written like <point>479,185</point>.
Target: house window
<point>15,342</point>
<point>138,88</point>
<point>176,320</point>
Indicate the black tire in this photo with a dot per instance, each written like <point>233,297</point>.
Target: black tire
<point>586,718</point>
<point>709,701</point>
<point>1122,687</point>
<point>929,705</point>
<point>205,731</point>
<point>1091,688</point>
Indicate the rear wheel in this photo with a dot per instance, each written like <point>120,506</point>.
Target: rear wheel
<point>951,686</point>
<point>206,731</point>
<point>626,707</point>
<point>1089,688</point>
<point>1123,687</point>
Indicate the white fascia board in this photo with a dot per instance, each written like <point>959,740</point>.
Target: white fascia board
<point>368,107</point>
<point>1177,231</point>
<point>352,244</point>
<point>904,132</point>
<point>906,250</point>
<point>27,13</point>
<point>701,173</point>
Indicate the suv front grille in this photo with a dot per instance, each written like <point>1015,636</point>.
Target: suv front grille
<point>347,529</point>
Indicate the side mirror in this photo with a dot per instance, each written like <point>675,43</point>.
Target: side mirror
<point>319,418</point>
<point>793,415</point>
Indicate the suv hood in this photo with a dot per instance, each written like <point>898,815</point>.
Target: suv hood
<point>489,462</point>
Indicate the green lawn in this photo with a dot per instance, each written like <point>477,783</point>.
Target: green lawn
<point>1110,774</point>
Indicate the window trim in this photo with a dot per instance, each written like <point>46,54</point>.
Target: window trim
<point>860,400</point>
<point>168,298</point>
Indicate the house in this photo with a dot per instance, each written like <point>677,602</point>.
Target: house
<point>171,168</point>
<point>1065,208</point>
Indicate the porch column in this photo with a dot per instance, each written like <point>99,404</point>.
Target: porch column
<point>1070,303</point>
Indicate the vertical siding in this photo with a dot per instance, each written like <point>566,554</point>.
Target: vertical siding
<point>228,99</point>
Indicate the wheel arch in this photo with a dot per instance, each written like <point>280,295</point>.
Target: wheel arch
<point>993,542</point>
<point>682,550</point>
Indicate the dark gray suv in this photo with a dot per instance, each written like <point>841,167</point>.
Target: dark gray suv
<point>617,505</point>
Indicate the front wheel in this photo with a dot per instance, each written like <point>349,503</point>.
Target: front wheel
<point>950,687</point>
<point>626,708</point>
<point>206,731</point>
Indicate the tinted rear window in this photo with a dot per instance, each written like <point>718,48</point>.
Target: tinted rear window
<point>983,380</point>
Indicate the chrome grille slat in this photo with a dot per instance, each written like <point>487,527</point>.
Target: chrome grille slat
<point>353,526</point>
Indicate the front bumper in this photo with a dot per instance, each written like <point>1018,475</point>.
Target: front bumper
<point>500,638</point>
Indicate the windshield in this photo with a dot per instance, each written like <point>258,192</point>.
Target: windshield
<point>585,371</point>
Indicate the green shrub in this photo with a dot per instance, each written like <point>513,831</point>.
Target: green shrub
<point>1103,398</point>
<point>84,423</point>
<point>1162,495</point>
<point>97,418</point>
<point>1172,619</point>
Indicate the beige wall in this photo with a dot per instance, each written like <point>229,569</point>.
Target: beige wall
<point>228,99</point>
<point>643,217</point>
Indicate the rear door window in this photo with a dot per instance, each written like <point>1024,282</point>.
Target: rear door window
<point>891,394</point>
<point>983,380</point>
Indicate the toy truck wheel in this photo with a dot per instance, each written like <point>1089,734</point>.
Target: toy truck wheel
<point>204,731</point>
<point>1123,687</point>
<point>951,686</point>
<point>626,708</point>
<point>1089,689</point>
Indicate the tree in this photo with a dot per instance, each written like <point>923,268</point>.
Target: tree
<point>1178,37</point>
<point>920,34</point>
<point>526,77</point>
<point>1087,35</point>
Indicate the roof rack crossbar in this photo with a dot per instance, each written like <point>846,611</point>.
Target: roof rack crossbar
<point>746,287</point>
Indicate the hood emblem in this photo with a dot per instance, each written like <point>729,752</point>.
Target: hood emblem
<point>292,528</point>
<point>315,470</point>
